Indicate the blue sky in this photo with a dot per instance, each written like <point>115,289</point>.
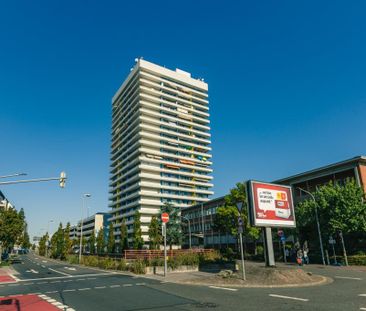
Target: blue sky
<point>286,84</point>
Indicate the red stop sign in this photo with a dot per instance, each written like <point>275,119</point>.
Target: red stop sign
<point>165,217</point>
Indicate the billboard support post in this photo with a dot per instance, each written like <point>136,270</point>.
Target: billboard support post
<point>268,243</point>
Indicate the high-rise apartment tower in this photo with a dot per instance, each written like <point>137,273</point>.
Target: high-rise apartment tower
<point>160,144</point>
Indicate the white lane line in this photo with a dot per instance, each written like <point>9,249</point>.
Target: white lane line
<point>362,308</point>
<point>347,278</point>
<point>59,272</point>
<point>44,260</point>
<point>288,297</point>
<point>86,288</point>
<point>100,287</point>
<point>51,292</point>
<point>113,286</point>
<point>55,282</point>
<point>67,277</point>
<point>51,300</point>
<point>224,288</point>
<point>43,266</point>
<point>69,290</point>
<point>362,295</point>
<point>80,280</point>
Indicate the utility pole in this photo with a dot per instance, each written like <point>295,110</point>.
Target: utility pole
<point>239,206</point>
<point>85,195</point>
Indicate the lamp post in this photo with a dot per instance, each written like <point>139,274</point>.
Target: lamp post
<point>189,231</point>
<point>317,222</point>
<point>239,206</point>
<point>48,235</point>
<point>85,195</point>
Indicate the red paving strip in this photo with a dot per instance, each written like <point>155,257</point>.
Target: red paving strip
<point>6,278</point>
<point>25,303</point>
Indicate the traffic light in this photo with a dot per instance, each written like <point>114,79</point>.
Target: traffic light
<point>62,179</point>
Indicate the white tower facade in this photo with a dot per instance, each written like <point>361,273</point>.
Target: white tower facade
<point>160,144</point>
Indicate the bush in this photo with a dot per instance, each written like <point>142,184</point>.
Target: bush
<point>210,257</point>
<point>229,254</point>
<point>91,261</point>
<point>138,266</point>
<point>122,265</point>
<point>357,260</point>
<point>72,259</point>
<point>259,250</point>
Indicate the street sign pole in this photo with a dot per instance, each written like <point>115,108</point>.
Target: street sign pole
<point>242,256</point>
<point>165,261</point>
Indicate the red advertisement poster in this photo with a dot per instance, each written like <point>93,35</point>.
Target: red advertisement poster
<point>270,205</point>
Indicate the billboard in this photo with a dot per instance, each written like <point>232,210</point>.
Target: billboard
<point>270,205</point>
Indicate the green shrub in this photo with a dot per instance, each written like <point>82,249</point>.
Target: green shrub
<point>357,260</point>
<point>259,250</point>
<point>210,257</point>
<point>72,259</point>
<point>229,254</point>
<point>138,266</point>
<point>122,265</point>
<point>91,261</point>
<point>156,262</point>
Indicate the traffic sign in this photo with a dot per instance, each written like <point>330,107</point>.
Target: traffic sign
<point>164,217</point>
<point>331,240</point>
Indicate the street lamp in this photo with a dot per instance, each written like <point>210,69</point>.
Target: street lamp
<point>85,195</point>
<point>48,235</point>
<point>239,206</point>
<point>317,222</point>
<point>189,231</point>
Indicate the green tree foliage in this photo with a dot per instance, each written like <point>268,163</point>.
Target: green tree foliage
<point>124,236</point>
<point>57,243</point>
<point>100,241</point>
<point>25,241</point>
<point>111,240</point>
<point>174,233</point>
<point>138,242</point>
<point>12,226</point>
<point>42,245</point>
<point>339,208</point>
<point>154,233</point>
<point>91,243</point>
<point>226,218</point>
<point>67,246</point>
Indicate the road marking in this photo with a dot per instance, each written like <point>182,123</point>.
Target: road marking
<point>70,268</point>
<point>100,287</point>
<point>68,281</point>
<point>43,266</point>
<point>362,308</point>
<point>140,284</point>
<point>288,297</point>
<point>362,295</point>
<point>86,288</point>
<point>69,290</point>
<point>66,277</point>
<point>224,288</point>
<point>44,260</point>
<point>127,285</point>
<point>113,286</point>
<point>32,270</point>
<point>14,284</point>
<point>347,278</point>
<point>91,278</point>
<point>59,272</point>
<point>51,292</point>
<point>28,283</point>
<point>80,280</point>
<point>41,282</point>
<point>55,282</point>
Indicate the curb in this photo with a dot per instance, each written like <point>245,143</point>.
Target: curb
<point>324,281</point>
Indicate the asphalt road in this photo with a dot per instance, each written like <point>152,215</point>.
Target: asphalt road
<point>89,289</point>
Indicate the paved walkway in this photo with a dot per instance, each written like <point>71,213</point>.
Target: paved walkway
<point>6,275</point>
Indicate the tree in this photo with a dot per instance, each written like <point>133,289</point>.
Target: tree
<point>340,208</point>
<point>111,240</point>
<point>154,233</point>
<point>100,242</point>
<point>11,227</point>
<point>124,236</point>
<point>25,241</point>
<point>138,242</point>
<point>91,243</point>
<point>57,243</point>
<point>67,246</point>
<point>226,218</point>
<point>42,245</point>
<point>174,234</point>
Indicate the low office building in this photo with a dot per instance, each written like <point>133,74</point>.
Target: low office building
<point>4,202</point>
<point>91,224</point>
<point>199,221</point>
<point>354,168</point>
